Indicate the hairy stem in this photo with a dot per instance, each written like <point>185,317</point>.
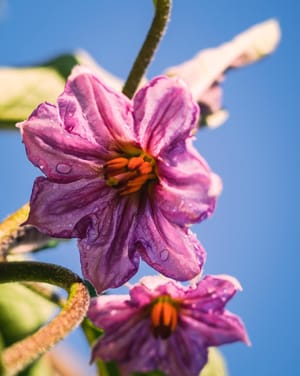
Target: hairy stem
<point>21,354</point>
<point>10,229</point>
<point>155,33</point>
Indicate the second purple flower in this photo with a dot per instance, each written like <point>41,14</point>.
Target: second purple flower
<point>122,176</point>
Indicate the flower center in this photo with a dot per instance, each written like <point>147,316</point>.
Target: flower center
<point>128,174</point>
<point>164,316</point>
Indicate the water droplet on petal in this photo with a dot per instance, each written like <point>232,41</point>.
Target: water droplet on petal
<point>164,255</point>
<point>63,168</point>
<point>41,164</point>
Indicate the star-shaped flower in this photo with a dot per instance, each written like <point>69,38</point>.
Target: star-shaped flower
<point>122,176</point>
<point>165,326</point>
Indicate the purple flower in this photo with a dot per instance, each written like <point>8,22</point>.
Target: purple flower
<point>122,176</point>
<point>163,325</point>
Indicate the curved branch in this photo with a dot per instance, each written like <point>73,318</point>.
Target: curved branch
<point>21,354</point>
<point>155,33</point>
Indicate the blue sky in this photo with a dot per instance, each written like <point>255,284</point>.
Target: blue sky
<point>254,233</point>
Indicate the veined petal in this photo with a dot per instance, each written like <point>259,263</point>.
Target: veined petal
<point>187,189</point>
<point>168,248</point>
<point>185,356</point>
<point>164,113</point>
<point>150,287</point>
<point>211,293</point>
<point>60,156</point>
<point>204,311</point>
<point>130,340</point>
<point>107,255</point>
<point>217,329</point>
<point>72,203</point>
<point>95,112</point>
<point>119,342</point>
<point>109,311</point>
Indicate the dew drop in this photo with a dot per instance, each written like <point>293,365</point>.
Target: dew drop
<point>164,255</point>
<point>41,164</point>
<point>63,168</point>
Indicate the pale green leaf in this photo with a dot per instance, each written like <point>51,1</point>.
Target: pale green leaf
<point>22,312</point>
<point>41,367</point>
<point>24,88</point>
<point>216,364</point>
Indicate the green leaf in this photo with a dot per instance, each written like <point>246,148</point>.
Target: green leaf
<point>216,364</point>
<point>22,89</point>
<point>38,368</point>
<point>22,312</point>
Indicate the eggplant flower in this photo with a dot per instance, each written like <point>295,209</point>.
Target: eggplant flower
<point>165,326</point>
<point>122,176</point>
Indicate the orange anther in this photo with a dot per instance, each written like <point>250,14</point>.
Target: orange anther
<point>145,168</point>
<point>116,164</point>
<point>135,162</point>
<point>164,317</point>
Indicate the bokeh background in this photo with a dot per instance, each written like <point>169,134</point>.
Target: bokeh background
<point>254,233</point>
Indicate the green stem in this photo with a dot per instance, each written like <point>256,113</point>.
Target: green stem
<point>156,32</point>
<point>16,357</point>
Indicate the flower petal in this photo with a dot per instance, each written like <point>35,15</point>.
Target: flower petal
<point>210,294</point>
<point>124,336</point>
<point>208,65</point>
<point>185,356</point>
<point>164,113</point>
<point>61,157</point>
<point>61,210</point>
<point>204,311</point>
<point>187,188</point>
<point>108,311</point>
<point>172,250</point>
<point>107,255</point>
<point>217,329</point>
<point>95,112</point>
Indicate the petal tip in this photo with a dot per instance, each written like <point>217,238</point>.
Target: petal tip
<point>234,281</point>
<point>216,186</point>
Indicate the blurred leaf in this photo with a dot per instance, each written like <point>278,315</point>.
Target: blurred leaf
<point>30,239</point>
<point>22,312</point>
<point>41,367</point>
<point>216,364</point>
<point>24,88</point>
<point>91,331</point>
<point>10,228</point>
<point>63,64</point>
